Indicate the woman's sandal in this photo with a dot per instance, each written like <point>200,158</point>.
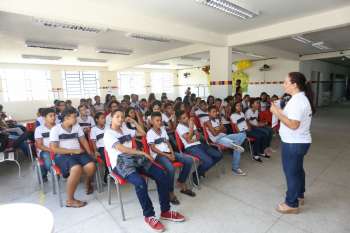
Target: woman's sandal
<point>188,192</point>
<point>76,204</point>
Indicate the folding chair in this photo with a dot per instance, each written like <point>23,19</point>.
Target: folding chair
<point>249,140</point>
<point>196,159</point>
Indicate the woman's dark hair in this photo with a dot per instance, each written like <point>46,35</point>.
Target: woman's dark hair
<point>47,111</point>
<point>210,97</point>
<point>179,113</point>
<point>129,109</point>
<point>67,112</point>
<point>302,84</point>
<point>112,102</point>
<point>156,102</point>
<point>115,111</point>
<point>234,106</point>
<point>151,97</point>
<point>107,98</point>
<point>97,116</point>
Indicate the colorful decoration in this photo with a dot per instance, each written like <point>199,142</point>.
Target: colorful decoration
<point>243,64</point>
<point>244,81</point>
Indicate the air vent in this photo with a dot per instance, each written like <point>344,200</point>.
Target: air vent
<point>42,45</point>
<point>40,57</point>
<point>81,59</point>
<point>68,26</point>
<point>115,51</point>
<point>148,37</point>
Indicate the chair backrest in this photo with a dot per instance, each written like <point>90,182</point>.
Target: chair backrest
<point>145,146</point>
<point>197,122</point>
<point>234,127</point>
<point>205,134</point>
<point>265,116</point>
<point>30,126</point>
<point>179,143</point>
<point>108,161</point>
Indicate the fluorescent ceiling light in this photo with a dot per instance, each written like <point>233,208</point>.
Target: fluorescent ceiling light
<point>185,65</point>
<point>115,51</point>
<point>247,54</point>
<point>229,8</point>
<point>159,64</point>
<point>40,57</point>
<point>43,45</point>
<point>68,26</point>
<point>148,37</point>
<point>320,45</point>
<point>189,58</point>
<point>81,59</point>
<point>302,39</point>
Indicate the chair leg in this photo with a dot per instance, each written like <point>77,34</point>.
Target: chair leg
<point>197,175</point>
<point>53,174</point>
<point>57,182</point>
<point>120,201</point>
<point>98,181</point>
<point>250,148</point>
<point>109,189</point>
<point>40,177</point>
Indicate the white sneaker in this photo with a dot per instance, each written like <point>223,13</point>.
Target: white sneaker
<point>238,172</point>
<point>237,147</point>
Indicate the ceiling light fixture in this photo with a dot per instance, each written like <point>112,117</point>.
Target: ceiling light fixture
<point>229,8</point>
<point>81,59</point>
<point>43,45</point>
<point>148,37</point>
<point>320,45</point>
<point>185,65</point>
<point>247,54</point>
<point>115,51</point>
<point>302,39</point>
<point>67,26</point>
<point>41,57</point>
<point>189,58</point>
<point>159,64</point>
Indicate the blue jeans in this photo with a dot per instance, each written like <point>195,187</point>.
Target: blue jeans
<point>208,156</point>
<point>185,170</point>
<point>260,142</point>
<point>267,131</point>
<point>292,161</point>
<point>45,156</point>
<point>227,141</point>
<point>163,186</point>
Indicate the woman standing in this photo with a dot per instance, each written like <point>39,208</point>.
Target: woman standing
<point>296,139</point>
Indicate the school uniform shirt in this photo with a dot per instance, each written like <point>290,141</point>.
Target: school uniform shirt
<point>203,116</point>
<point>66,139</point>
<point>252,116</point>
<point>240,121</point>
<point>215,123</point>
<point>111,138</point>
<point>159,140</point>
<point>166,120</point>
<point>97,134</point>
<point>223,117</point>
<point>99,107</point>
<point>109,120</point>
<point>182,129</point>
<point>298,108</point>
<point>39,121</point>
<point>42,132</point>
<point>86,122</point>
<point>245,105</point>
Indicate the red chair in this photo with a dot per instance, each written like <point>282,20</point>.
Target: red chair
<point>196,159</point>
<point>99,164</point>
<point>30,127</point>
<point>265,116</point>
<point>197,122</point>
<point>249,140</point>
<point>37,162</point>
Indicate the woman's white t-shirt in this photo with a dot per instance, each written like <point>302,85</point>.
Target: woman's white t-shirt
<point>298,108</point>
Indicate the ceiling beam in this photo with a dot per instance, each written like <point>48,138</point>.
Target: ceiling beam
<point>104,14</point>
<point>325,55</point>
<point>312,23</point>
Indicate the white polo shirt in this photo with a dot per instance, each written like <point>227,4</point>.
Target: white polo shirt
<point>111,138</point>
<point>216,125</point>
<point>66,139</point>
<point>239,120</point>
<point>182,129</point>
<point>86,122</point>
<point>40,120</point>
<point>97,134</point>
<point>203,116</point>
<point>159,140</point>
<point>252,116</point>
<point>42,132</point>
<point>298,108</point>
<point>99,107</point>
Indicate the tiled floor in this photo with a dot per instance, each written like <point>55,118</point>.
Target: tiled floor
<point>226,204</point>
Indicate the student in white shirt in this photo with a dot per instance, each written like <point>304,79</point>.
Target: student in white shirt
<point>224,110</point>
<point>190,137</point>
<point>264,103</point>
<point>245,103</point>
<point>131,163</point>
<point>202,112</point>
<point>240,122</point>
<point>296,139</point>
<point>252,116</point>
<point>42,142</point>
<point>112,106</point>
<point>96,136</point>
<point>132,113</point>
<point>217,134</point>
<point>155,107</point>
<point>169,121</point>
<point>85,121</point>
<point>40,120</point>
<point>98,106</point>
<point>73,155</point>
<point>162,151</point>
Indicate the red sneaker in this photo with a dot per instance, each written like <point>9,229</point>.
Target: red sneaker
<point>155,224</point>
<point>172,216</point>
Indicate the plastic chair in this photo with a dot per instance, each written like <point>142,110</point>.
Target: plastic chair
<point>265,116</point>
<point>37,163</point>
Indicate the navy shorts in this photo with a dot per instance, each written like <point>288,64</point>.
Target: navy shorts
<point>66,162</point>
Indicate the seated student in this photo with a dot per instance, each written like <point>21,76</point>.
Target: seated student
<point>85,121</point>
<point>42,142</point>
<point>96,136</point>
<point>68,104</point>
<point>132,113</point>
<point>65,141</point>
<point>61,105</point>
<point>245,103</point>
<point>131,163</point>
<point>155,107</point>
<point>202,112</point>
<point>210,100</point>
<point>217,134</point>
<point>169,121</point>
<point>195,106</point>
<point>191,140</point>
<point>264,103</point>
<point>40,120</point>
<point>98,106</point>
<point>241,124</point>
<point>112,106</point>
<point>163,153</point>
<point>224,111</point>
<point>252,116</point>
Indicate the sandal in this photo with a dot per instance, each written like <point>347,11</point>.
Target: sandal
<point>175,201</point>
<point>188,192</point>
<point>76,204</point>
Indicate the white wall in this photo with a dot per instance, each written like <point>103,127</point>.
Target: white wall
<point>198,81</point>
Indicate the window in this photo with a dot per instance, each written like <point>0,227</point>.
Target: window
<point>162,82</point>
<point>131,83</point>
<point>80,84</point>
<point>24,85</point>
